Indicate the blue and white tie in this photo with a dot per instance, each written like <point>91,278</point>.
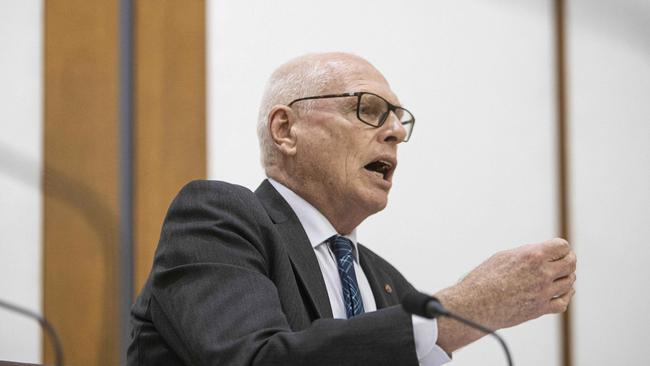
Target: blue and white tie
<point>342,248</point>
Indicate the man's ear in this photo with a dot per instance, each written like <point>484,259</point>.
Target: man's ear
<point>281,128</point>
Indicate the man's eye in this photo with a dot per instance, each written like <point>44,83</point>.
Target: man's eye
<point>370,109</point>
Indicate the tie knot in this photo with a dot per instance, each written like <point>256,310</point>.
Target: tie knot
<point>341,246</point>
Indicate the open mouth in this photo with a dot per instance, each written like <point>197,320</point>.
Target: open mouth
<point>381,167</point>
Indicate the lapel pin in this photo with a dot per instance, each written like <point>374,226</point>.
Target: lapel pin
<point>388,289</point>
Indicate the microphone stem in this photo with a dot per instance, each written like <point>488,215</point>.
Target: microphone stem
<point>484,330</point>
<point>49,329</point>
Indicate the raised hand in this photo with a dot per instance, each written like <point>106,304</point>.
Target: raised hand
<point>509,288</point>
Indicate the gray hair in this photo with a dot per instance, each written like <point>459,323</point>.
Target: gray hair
<point>303,76</point>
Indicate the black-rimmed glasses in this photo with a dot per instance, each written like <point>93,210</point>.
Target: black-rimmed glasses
<point>373,110</point>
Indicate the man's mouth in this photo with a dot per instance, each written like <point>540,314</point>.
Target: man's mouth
<point>381,167</point>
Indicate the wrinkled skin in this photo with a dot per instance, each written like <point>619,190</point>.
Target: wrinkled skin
<point>509,288</point>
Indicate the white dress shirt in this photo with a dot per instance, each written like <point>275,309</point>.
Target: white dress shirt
<point>318,230</point>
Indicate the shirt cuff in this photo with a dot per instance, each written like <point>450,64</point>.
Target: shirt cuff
<point>425,333</point>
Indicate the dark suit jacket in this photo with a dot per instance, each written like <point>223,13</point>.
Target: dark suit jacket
<point>235,281</point>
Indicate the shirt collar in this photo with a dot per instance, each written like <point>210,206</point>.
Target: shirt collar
<point>316,225</point>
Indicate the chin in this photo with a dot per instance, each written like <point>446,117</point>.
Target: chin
<point>375,203</point>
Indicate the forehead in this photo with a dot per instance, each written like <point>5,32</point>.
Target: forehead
<point>363,76</point>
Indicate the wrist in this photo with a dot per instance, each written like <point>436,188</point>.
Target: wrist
<point>453,335</point>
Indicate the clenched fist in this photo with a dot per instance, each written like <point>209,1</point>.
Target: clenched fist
<point>509,288</point>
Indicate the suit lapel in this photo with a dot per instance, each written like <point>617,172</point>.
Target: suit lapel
<point>380,284</point>
<point>298,246</point>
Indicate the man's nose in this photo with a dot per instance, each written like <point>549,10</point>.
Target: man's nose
<point>392,131</point>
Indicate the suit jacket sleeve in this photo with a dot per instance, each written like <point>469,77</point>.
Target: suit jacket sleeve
<point>212,294</point>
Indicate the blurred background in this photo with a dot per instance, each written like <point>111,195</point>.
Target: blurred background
<point>533,122</point>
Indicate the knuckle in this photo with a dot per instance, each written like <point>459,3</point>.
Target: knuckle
<point>565,269</point>
<point>554,307</point>
<point>564,306</point>
<point>561,305</point>
<point>572,268</point>
<point>534,256</point>
<point>572,257</point>
<point>561,241</point>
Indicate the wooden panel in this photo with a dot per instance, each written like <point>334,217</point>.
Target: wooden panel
<point>81,272</point>
<point>169,113</point>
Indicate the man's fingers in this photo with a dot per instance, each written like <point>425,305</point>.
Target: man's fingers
<point>563,267</point>
<point>562,285</point>
<point>556,249</point>
<point>561,303</point>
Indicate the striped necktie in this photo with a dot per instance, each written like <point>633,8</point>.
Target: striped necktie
<point>342,248</point>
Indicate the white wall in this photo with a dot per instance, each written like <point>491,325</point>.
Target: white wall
<point>478,175</point>
<point>20,182</point>
<point>609,43</point>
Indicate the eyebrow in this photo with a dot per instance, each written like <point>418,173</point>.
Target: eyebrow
<point>398,104</point>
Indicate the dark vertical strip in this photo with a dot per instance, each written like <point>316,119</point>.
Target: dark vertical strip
<point>126,158</point>
<point>562,156</point>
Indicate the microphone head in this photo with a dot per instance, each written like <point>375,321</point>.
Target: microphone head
<point>419,304</point>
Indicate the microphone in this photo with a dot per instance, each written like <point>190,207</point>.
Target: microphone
<point>426,306</point>
<point>47,327</point>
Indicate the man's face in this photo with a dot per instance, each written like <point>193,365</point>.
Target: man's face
<point>348,165</point>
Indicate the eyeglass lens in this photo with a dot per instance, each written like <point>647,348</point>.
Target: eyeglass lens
<point>373,110</point>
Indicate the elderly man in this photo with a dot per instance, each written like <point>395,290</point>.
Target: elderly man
<point>276,277</point>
